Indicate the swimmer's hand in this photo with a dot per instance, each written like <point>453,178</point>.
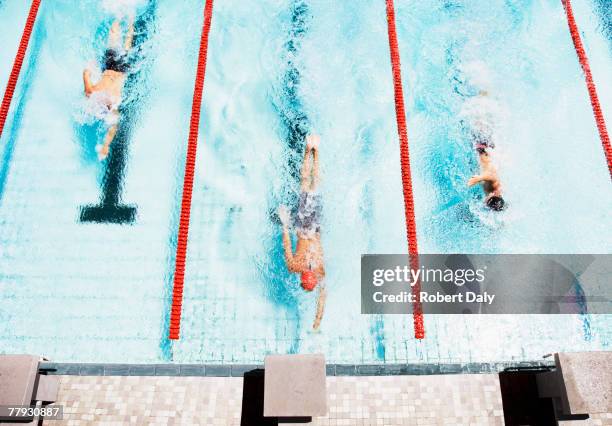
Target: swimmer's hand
<point>86,78</point>
<point>87,84</point>
<point>312,142</point>
<point>474,180</point>
<point>284,216</point>
<point>320,308</point>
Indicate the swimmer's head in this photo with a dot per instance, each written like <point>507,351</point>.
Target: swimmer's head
<point>115,61</point>
<point>309,280</point>
<point>495,203</point>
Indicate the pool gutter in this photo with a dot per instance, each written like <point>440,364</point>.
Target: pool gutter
<point>238,370</point>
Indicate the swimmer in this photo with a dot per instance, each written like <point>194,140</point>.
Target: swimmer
<point>308,257</point>
<point>108,91</point>
<point>481,113</point>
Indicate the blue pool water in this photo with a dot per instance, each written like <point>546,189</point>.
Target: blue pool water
<point>77,291</point>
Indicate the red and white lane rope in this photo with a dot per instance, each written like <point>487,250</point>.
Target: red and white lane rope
<point>17,64</point>
<point>588,75</point>
<point>192,145</point>
<point>400,112</point>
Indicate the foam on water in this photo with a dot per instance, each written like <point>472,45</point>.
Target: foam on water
<point>122,7</point>
<point>478,75</point>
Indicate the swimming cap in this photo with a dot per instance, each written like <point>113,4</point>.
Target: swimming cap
<point>309,280</point>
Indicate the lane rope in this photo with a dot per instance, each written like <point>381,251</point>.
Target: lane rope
<point>17,64</point>
<point>192,145</point>
<point>586,68</point>
<point>400,112</point>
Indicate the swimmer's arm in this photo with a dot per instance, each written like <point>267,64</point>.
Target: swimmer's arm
<point>474,180</point>
<point>129,39</point>
<point>288,250</point>
<point>320,308</point>
<point>89,87</point>
<point>321,271</point>
<point>110,135</point>
<point>480,178</point>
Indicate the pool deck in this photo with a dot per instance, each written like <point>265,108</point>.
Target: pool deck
<point>459,399</point>
<point>399,400</point>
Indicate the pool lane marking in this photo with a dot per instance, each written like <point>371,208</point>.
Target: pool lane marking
<point>586,68</point>
<point>192,144</point>
<point>19,58</point>
<point>400,112</point>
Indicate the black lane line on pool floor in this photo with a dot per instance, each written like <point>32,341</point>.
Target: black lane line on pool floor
<point>294,126</point>
<point>238,370</point>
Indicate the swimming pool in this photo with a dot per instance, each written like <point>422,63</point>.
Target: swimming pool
<point>92,292</point>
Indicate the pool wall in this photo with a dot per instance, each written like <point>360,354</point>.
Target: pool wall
<point>238,370</point>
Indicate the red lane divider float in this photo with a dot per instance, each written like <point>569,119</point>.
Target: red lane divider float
<point>586,68</point>
<point>192,145</point>
<point>21,51</point>
<point>400,112</point>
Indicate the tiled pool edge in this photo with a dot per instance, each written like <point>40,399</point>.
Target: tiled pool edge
<point>238,370</point>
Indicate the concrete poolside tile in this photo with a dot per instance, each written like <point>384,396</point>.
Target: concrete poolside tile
<point>217,370</point>
<point>370,370</point>
<point>67,369</point>
<point>117,370</point>
<point>238,370</point>
<point>345,370</point>
<point>475,367</point>
<point>167,370</point>
<point>397,369</point>
<point>91,370</point>
<point>140,370</point>
<point>424,369</point>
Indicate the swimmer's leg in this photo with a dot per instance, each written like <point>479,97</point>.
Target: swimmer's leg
<point>306,171</point>
<point>108,139</point>
<point>315,169</point>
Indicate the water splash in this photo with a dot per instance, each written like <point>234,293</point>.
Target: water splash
<point>122,7</point>
<point>478,75</point>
